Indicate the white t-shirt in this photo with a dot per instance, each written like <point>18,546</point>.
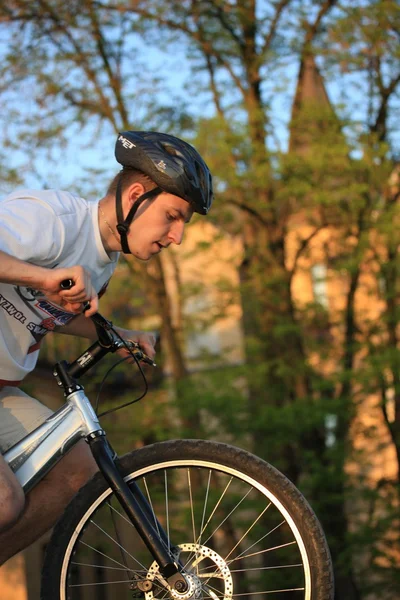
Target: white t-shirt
<point>50,229</point>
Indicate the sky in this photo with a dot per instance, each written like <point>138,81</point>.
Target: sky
<point>66,167</point>
<point>91,148</point>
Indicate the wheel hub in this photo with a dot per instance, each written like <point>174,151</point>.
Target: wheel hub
<point>206,572</point>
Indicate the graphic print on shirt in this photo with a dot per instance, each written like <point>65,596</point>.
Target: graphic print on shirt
<point>27,293</point>
<point>60,316</point>
<point>38,304</point>
<point>38,331</point>
<point>10,309</point>
<point>28,296</point>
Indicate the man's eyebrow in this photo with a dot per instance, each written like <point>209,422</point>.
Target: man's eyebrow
<point>183,216</point>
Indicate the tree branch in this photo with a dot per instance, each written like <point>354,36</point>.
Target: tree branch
<point>83,62</point>
<point>313,28</point>
<point>274,24</point>
<point>220,14</point>
<point>115,82</point>
<point>380,124</point>
<point>251,211</point>
<point>303,246</point>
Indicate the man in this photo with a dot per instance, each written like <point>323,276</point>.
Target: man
<point>50,236</point>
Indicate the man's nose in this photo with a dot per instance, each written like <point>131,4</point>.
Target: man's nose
<point>176,233</point>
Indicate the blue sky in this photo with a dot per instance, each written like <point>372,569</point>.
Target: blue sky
<point>65,167</point>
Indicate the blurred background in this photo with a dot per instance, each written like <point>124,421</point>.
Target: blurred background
<point>279,314</point>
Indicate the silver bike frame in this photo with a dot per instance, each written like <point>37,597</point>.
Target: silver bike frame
<point>32,457</point>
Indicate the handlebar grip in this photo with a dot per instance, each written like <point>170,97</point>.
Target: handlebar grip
<point>86,306</point>
<point>66,284</point>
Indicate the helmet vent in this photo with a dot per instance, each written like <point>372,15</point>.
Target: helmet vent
<point>200,174</point>
<point>188,173</point>
<point>171,150</point>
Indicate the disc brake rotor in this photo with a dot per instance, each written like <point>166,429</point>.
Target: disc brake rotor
<point>206,572</point>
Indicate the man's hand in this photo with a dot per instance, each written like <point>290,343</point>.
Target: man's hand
<point>81,291</point>
<point>146,341</point>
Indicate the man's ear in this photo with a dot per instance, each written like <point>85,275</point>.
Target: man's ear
<point>134,191</point>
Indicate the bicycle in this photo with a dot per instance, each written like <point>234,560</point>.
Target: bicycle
<point>181,519</point>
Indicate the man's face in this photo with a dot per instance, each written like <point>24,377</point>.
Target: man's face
<point>157,224</point>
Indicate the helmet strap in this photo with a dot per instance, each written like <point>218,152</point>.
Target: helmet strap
<point>124,224</point>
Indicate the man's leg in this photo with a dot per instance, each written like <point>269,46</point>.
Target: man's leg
<point>12,497</point>
<point>47,501</point>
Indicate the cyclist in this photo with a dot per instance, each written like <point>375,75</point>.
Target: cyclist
<point>50,236</point>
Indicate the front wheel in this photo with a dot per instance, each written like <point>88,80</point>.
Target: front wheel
<point>239,527</point>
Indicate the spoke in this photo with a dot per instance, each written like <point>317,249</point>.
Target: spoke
<point>167,508</point>
<point>118,544</point>
<point>213,591</point>
<point>214,575</point>
<point>227,516</point>
<point>249,529</point>
<point>144,573</point>
<point>97,583</point>
<point>191,508</point>
<point>166,593</point>
<point>79,564</point>
<point>266,568</point>
<point>216,506</point>
<point>102,554</point>
<point>261,552</point>
<point>151,505</point>
<point>261,538</point>
<point>123,557</point>
<point>160,584</point>
<point>168,545</point>
<point>121,515</point>
<point>212,594</point>
<point>221,595</point>
<point>209,519</point>
<point>300,589</point>
<point>217,575</point>
<point>205,507</point>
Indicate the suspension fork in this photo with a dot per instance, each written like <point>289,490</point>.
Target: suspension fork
<point>139,512</point>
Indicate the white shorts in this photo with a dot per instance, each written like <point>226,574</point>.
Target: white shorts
<point>19,415</point>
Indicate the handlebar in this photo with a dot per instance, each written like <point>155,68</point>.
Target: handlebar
<point>108,339</point>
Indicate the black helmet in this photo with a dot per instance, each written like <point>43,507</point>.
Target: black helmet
<point>174,165</point>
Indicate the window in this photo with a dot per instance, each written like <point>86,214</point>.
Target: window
<point>390,404</point>
<point>318,277</point>
<point>330,430</point>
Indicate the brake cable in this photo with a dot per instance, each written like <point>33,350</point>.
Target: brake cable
<point>113,367</point>
<point>103,327</point>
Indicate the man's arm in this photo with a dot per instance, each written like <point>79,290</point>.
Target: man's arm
<point>48,281</point>
<point>81,327</point>
<point>18,272</point>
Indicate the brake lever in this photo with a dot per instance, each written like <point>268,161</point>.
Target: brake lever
<point>139,354</point>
